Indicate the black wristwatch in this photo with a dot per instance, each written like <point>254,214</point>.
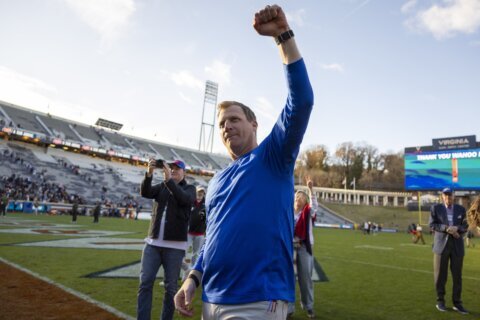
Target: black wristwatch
<point>284,37</point>
<point>195,279</point>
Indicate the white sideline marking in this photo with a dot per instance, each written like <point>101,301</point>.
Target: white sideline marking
<point>90,243</point>
<point>415,245</point>
<point>387,266</point>
<point>69,290</point>
<point>373,247</point>
<point>62,232</point>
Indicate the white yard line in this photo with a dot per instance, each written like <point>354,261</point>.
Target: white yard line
<point>69,290</point>
<point>416,245</point>
<point>366,246</point>
<point>387,266</point>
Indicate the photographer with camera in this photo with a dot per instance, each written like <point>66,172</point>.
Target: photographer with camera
<point>166,242</point>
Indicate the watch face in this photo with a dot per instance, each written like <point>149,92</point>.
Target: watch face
<point>284,36</point>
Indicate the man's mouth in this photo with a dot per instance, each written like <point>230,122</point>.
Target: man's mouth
<point>229,137</point>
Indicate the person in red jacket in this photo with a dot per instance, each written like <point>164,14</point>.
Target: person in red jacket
<point>305,214</point>
<point>196,230</point>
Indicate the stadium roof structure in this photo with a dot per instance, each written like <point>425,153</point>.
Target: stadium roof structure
<point>108,124</point>
<point>27,124</point>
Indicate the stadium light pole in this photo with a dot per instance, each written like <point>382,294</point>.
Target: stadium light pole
<point>419,208</point>
<point>210,102</point>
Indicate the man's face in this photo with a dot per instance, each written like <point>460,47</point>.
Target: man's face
<point>177,173</point>
<point>238,134</point>
<point>447,198</point>
<point>300,201</point>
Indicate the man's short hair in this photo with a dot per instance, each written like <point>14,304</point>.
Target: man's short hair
<point>246,110</point>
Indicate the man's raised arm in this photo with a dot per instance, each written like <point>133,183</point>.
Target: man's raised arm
<point>272,21</point>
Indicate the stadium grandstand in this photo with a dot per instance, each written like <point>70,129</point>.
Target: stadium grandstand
<point>86,162</point>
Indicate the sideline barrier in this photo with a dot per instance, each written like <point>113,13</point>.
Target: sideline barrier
<point>335,226</point>
<point>55,208</point>
<point>349,227</point>
<point>26,207</point>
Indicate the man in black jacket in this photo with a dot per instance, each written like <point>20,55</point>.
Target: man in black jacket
<point>167,236</point>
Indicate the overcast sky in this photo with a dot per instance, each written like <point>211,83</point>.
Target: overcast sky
<point>392,74</point>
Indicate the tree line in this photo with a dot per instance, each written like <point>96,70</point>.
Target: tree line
<point>358,165</point>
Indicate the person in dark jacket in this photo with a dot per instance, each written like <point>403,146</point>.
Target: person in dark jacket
<point>74,211</point>
<point>167,236</point>
<point>3,204</point>
<point>96,212</point>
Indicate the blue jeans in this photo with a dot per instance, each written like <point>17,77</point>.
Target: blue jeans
<point>152,258</point>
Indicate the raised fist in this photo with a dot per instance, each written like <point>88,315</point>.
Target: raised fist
<point>270,21</point>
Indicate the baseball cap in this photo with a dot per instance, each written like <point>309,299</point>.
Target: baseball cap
<point>178,163</point>
<point>200,188</point>
<point>447,191</point>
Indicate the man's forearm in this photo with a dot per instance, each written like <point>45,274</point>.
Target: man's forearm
<point>289,51</point>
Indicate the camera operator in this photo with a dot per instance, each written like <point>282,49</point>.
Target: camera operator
<point>167,236</point>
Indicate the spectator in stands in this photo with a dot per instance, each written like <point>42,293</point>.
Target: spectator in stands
<point>366,228</point>
<point>96,212</point>
<point>3,203</point>
<point>138,209</point>
<point>74,211</point>
<point>448,221</point>
<point>196,228</point>
<point>246,264</point>
<point>36,206</point>
<point>167,236</point>
<point>473,218</point>
<point>304,216</point>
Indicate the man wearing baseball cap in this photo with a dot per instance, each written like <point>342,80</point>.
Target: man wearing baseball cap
<point>448,221</point>
<point>166,242</point>
<point>178,163</point>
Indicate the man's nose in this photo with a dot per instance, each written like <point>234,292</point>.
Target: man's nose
<point>228,125</point>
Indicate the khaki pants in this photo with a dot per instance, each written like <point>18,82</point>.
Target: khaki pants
<point>262,310</point>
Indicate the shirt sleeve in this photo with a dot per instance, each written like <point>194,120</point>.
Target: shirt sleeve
<point>287,133</point>
<point>314,205</point>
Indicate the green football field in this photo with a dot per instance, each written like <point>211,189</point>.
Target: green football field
<point>381,276</point>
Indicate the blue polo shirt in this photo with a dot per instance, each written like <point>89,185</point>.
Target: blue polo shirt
<point>247,255</point>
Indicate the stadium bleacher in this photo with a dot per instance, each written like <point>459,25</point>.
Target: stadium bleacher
<point>96,176</point>
<point>71,131</point>
<point>59,128</point>
<point>328,216</point>
<point>115,139</point>
<point>88,133</point>
<point>23,118</point>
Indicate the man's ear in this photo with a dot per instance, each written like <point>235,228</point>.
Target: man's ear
<point>255,126</point>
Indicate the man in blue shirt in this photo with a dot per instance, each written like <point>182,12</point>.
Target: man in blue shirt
<point>246,266</point>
